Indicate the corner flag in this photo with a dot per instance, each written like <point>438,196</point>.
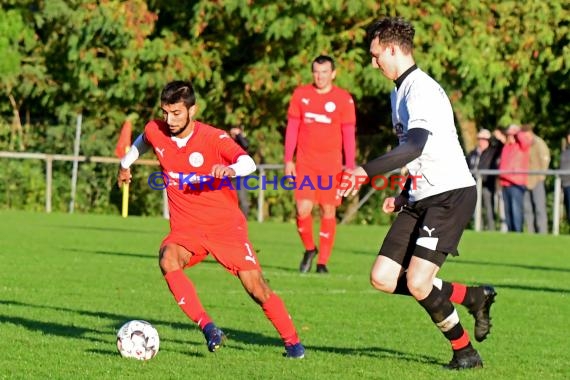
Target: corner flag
<point>124,142</point>
<point>121,150</point>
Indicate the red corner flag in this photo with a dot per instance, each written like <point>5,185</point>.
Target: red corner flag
<point>124,142</point>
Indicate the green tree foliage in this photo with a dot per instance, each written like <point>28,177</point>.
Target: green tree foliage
<point>500,62</point>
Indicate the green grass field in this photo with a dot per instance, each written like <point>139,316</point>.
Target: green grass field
<point>67,282</point>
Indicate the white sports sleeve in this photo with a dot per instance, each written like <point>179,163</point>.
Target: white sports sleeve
<point>138,148</point>
<point>244,165</point>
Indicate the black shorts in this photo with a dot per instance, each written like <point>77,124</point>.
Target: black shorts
<point>430,228</point>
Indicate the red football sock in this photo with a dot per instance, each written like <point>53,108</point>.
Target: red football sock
<point>462,342</point>
<point>326,241</point>
<point>277,313</point>
<point>458,293</point>
<point>185,295</point>
<point>305,229</point>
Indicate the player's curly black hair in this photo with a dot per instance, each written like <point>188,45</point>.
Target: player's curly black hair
<point>394,30</point>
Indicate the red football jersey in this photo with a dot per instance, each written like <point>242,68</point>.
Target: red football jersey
<point>207,205</point>
<point>320,136</point>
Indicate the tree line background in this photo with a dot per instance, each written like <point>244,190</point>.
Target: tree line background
<point>499,61</point>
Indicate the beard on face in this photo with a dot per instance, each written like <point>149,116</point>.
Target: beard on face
<point>176,133</point>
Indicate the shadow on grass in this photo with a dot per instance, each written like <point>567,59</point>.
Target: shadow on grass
<point>113,253</point>
<point>163,349</point>
<point>248,337</point>
<point>234,335</point>
<point>507,265</point>
<point>107,229</point>
<point>500,286</point>
<point>378,352</point>
<point>106,335</point>
<point>50,328</point>
<point>461,261</point>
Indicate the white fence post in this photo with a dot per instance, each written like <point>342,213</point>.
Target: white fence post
<point>75,163</point>
<point>556,206</point>
<point>478,205</point>
<point>260,195</point>
<point>49,167</point>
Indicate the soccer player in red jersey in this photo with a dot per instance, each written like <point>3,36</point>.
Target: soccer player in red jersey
<point>320,126</point>
<point>197,162</point>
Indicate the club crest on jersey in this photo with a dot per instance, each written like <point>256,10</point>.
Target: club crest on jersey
<point>196,159</point>
<point>330,106</point>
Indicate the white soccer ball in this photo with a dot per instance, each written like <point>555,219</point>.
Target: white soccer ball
<point>138,340</point>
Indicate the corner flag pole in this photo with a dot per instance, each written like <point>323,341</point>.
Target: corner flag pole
<point>125,204</point>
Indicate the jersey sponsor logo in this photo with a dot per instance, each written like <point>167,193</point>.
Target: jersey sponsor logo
<point>330,106</point>
<point>305,101</point>
<point>319,118</point>
<point>160,151</point>
<point>187,178</point>
<point>173,178</point>
<point>196,159</point>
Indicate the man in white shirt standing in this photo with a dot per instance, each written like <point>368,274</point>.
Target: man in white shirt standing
<point>436,207</point>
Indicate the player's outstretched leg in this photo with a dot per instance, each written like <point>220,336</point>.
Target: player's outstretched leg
<point>275,310</point>
<point>185,294</point>
<point>465,359</point>
<point>482,313</point>
<point>478,300</point>
<point>307,261</point>
<point>326,242</point>
<point>305,230</point>
<point>294,351</point>
<point>277,313</point>
<point>444,315</point>
<point>214,337</point>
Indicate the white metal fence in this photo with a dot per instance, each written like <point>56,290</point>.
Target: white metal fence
<point>264,168</point>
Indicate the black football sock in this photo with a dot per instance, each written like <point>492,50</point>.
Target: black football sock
<point>402,286</point>
<point>444,315</point>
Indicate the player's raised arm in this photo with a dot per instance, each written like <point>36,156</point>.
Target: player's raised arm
<point>139,147</point>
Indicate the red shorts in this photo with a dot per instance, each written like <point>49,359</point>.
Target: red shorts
<point>232,249</point>
<point>318,186</point>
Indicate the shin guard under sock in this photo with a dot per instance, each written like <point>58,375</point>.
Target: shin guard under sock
<point>185,295</point>
<point>305,229</point>
<point>276,312</point>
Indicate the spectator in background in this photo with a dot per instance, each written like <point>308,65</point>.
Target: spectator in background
<point>236,133</point>
<point>535,215</point>
<point>565,165</point>
<point>514,158</point>
<point>486,156</point>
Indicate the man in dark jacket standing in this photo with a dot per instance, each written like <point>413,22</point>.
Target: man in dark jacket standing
<point>486,156</point>
<point>565,165</point>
